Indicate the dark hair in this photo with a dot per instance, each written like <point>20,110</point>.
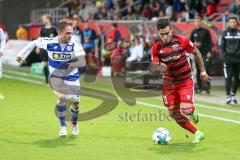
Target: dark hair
<point>63,23</point>
<point>114,25</point>
<point>163,22</point>
<point>234,18</point>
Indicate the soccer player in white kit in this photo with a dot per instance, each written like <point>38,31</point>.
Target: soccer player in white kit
<point>2,45</point>
<point>65,54</point>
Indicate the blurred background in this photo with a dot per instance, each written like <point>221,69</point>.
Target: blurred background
<point>111,31</point>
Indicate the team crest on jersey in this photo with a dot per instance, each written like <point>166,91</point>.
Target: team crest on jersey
<point>69,48</point>
<point>188,97</point>
<point>58,56</point>
<point>175,47</point>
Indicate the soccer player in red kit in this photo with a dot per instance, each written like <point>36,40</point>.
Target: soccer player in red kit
<point>170,55</point>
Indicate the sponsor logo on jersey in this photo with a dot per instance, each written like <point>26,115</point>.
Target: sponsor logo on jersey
<point>188,97</point>
<point>171,58</point>
<point>58,56</point>
<point>175,47</point>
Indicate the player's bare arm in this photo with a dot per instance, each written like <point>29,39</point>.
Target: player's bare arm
<point>157,68</point>
<point>80,62</point>
<point>26,51</point>
<point>198,57</point>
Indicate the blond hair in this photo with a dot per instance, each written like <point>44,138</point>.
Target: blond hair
<point>63,23</point>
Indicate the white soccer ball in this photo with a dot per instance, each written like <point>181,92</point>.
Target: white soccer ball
<point>161,136</point>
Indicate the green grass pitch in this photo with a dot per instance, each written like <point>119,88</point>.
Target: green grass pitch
<point>29,128</point>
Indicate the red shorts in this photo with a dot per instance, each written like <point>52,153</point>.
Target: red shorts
<point>174,94</point>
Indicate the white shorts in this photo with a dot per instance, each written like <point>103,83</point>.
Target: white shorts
<point>69,89</point>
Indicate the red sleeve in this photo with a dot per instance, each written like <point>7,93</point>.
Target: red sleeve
<point>154,54</point>
<point>188,45</point>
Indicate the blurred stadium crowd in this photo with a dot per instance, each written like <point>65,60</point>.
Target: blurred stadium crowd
<point>177,10</point>
<point>117,43</point>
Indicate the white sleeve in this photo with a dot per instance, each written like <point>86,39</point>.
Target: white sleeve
<point>78,49</point>
<point>30,46</point>
<point>2,40</point>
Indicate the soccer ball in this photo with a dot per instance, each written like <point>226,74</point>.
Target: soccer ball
<point>161,136</point>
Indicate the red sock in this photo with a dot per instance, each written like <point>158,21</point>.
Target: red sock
<point>184,122</point>
<point>188,126</point>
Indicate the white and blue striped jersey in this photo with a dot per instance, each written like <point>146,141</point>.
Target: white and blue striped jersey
<point>59,55</point>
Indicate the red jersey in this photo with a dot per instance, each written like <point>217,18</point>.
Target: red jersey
<point>175,55</point>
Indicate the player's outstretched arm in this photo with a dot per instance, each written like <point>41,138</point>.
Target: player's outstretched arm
<point>203,75</point>
<point>79,62</point>
<point>27,50</point>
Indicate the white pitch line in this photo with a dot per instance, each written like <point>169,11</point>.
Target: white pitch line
<point>203,115</point>
<point>22,74</point>
<point>219,118</point>
<point>210,107</point>
<point>23,79</point>
<point>216,108</point>
<point>138,102</point>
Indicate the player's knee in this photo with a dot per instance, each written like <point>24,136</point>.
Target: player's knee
<point>75,99</point>
<point>187,109</point>
<point>173,113</point>
<point>177,116</point>
<point>61,98</point>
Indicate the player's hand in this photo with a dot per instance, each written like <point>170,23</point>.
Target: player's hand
<point>161,67</point>
<point>19,59</point>
<point>157,68</point>
<point>205,77</point>
<point>1,54</point>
